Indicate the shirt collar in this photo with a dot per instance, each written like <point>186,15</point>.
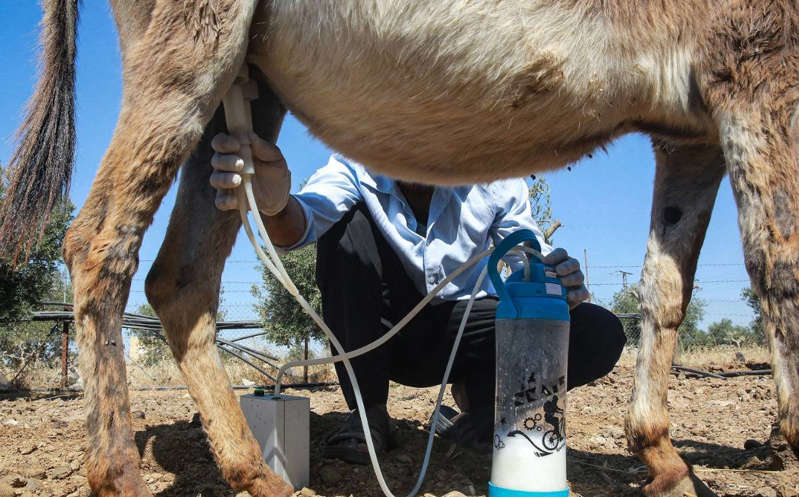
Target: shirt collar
<point>386,185</point>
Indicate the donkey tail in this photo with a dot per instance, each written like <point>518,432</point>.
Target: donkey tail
<point>41,167</point>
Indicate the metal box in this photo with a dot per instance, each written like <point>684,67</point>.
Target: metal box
<point>282,427</point>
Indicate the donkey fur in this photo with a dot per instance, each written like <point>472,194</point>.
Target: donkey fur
<point>445,92</point>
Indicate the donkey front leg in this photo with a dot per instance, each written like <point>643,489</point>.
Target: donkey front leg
<point>686,184</point>
<point>183,286</point>
<point>762,151</point>
<point>173,80</point>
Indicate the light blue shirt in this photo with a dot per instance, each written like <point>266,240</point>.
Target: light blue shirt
<point>462,221</point>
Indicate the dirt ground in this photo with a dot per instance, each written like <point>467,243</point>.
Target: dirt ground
<point>42,443</point>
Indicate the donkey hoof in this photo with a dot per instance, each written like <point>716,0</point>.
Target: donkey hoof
<point>782,453</point>
<point>270,486</point>
<point>126,486</point>
<point>688,486</point>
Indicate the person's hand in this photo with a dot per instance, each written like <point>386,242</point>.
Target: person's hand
<point>568,270</point>
<point>271,182</point>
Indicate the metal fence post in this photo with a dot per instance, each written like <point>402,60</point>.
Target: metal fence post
<point>64,354</point>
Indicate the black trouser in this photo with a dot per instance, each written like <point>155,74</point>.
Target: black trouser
<point>363,285</point>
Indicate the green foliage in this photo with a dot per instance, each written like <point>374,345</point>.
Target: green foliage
<point>725,333</point>
<point>284,320</point>
<point>34,281</point>
<point>40,278</point>
<point>152,347</point>
<point>753,301</point>
<point>689,334</point>
<point>540,202</point>
<point>39,340</point>
<point>627,301</point>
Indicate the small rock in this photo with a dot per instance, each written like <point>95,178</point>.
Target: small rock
<point>470,488</point>
<point>404,458</point>
<point>15,481</point>
<point>33,485</point>
<point>28,449</point>
<point>454,493</point>
<point>615,432</point>
<point>5,385</point>
<point>59,424</point>
<point>32,471</point>
<point>329,475</point>
<point>137,415</point>
<point>597,442</point>
<point>60,472</point>
<point>307,492</point>
<point>74,465</point>
<point>767,492</point>
<point>752,444</point>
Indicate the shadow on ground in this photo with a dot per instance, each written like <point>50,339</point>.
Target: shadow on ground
<point>182,450</point>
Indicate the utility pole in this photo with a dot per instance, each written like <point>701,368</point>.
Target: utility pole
<point>585,270</point>
<point>624,275</point>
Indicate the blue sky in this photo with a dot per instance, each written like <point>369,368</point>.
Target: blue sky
<point>603,202</point>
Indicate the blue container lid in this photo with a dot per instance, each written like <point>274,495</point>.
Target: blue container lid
<point>542,296</point>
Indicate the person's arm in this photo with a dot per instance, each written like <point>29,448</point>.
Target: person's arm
<point>282,215</point>
<point>292,221</point>
<point>287,226</point>
<point>516,213</point>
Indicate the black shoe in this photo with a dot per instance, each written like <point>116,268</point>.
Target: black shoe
<point>349,442</point>
<point>465,430</point>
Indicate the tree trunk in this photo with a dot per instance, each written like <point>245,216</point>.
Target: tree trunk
<point>305,368</point>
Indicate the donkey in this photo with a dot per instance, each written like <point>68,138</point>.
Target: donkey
<point>445,92</point>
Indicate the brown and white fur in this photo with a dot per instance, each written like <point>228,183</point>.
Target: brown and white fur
<point>447,92</point>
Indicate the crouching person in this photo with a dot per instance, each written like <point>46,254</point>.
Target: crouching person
<point>384,244</point>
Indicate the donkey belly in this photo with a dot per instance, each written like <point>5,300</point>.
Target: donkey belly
<point>445,92</point>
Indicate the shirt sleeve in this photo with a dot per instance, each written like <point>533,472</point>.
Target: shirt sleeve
<point>514,213</point>
<point>329,194</point>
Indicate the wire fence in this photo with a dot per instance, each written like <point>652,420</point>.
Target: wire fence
<point>239,339</point>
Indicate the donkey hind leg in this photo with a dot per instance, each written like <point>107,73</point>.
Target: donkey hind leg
<point>173,81</point>
<point>762,151</point>
<point>686,184</point>
<point>183,286</point>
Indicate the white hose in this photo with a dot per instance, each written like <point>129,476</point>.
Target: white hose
<point>408,317</point>
<point>275,266</point>
<point>237,114</point>
<point>390,333</point>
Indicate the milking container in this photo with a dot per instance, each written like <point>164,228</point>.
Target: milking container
<point>532,345</point>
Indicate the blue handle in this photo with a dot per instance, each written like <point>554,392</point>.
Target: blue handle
<point>510,241</point>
